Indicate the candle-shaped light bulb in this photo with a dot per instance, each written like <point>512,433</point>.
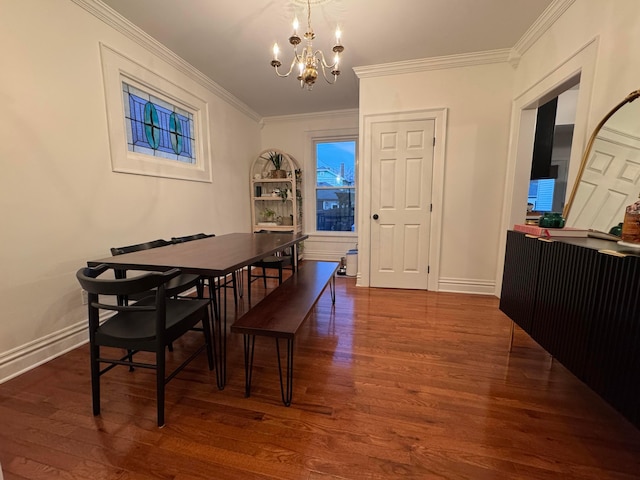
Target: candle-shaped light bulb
<point>336,60</point>
<point>338,35</point>
<point>276,50</point>
<point>295,25</point>
<point>301,67</point>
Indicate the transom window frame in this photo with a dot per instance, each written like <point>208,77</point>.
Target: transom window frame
<point>156,127</point>
<point>118,69</point>
<point>327,136</point>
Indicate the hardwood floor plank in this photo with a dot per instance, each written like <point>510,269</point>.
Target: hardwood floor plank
<point>387,384</point>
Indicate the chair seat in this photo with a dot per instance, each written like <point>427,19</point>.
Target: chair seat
<point>175,286</point>
<point>273,260</point>
<point>277,262</point>
<point>141,327</point>
<point>181,283</point>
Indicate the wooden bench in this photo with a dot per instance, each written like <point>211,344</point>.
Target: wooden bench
<point>281,313</point>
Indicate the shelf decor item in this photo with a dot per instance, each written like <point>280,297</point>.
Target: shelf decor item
<point>551,220</point>
<point>631,226</point>
<point>286,220</point>
<point>276,160</point>
<point>283,194</point>
<point>268,214</point>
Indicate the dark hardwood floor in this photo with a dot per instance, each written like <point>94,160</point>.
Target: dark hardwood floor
<point>387,384</point>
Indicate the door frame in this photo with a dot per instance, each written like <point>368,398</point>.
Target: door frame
<point>582,64</point>
<point>439,115</point>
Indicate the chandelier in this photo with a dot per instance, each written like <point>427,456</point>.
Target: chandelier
<point>309,61</point>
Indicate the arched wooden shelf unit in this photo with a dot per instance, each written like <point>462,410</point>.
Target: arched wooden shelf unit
<point>276,202</point>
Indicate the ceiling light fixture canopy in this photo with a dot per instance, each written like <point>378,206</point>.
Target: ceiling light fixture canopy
<point>308,61</point>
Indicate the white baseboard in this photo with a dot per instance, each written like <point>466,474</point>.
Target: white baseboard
<point>467,285</point>
<point>33,354</point>
<point>26,357</point>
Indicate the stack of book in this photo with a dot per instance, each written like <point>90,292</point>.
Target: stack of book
<point>551,232</point>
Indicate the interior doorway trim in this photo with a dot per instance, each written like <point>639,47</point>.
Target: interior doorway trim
<point>439,115</point>
<point>582,64</point>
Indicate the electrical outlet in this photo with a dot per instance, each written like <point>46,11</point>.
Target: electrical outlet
<point>84,296</point>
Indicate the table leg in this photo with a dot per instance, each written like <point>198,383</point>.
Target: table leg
<point>240,278</point>
<point>223,344</point>
<point>294,260</point>
<point>219,329</point>
<point>249,284</point>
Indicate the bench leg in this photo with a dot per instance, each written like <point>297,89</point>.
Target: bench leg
<point>249,347</point>
<point>287,392</point>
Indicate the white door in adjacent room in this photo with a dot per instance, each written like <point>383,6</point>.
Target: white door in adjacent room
<point>610,181</point>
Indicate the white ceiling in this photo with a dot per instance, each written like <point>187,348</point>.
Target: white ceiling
<point>230,41</point>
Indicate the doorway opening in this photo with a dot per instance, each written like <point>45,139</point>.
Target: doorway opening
<point>555,120</point>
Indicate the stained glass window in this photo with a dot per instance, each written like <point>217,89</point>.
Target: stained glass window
<point>156,127</point>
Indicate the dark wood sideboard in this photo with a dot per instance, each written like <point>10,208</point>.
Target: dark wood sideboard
<point>583,307</point>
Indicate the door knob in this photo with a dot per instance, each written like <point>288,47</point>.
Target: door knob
<point>375,216</point>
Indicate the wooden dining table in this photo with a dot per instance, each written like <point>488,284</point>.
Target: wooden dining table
<point>213,258</point>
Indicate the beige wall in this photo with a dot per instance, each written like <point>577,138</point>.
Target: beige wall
<point>490,125</point>
<point>61,204</point>
<point>294,134</point>
<point>596,38</point>
<point>478,102</point>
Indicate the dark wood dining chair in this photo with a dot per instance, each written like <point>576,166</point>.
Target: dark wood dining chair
<point>177,286</point>
<point>150,325</point>
<point>234,282</point>
<point>278,262</point>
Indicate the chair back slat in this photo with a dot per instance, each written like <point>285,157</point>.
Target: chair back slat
<point>121,286</point>
<point>124,308</point>
<point>188,238</point>
<point>139,246</point>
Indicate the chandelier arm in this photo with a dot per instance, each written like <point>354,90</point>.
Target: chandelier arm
<point>324,74</point>
<point>324,66</point>
<point>294,62</point>
<point>320,56</point>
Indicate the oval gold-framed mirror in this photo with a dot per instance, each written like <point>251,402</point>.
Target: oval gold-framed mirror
<point>609,176</point>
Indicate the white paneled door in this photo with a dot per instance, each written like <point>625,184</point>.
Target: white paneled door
<point>401,176</point>
<point>610,181</point>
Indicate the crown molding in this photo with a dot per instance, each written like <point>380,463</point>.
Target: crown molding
<point>434,63</point>
<point>331,114</point>
<point>539,27</point>
<point>512,55</point>
<point>110,17</point>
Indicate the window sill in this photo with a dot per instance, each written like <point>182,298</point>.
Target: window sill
<point>321,234</point>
